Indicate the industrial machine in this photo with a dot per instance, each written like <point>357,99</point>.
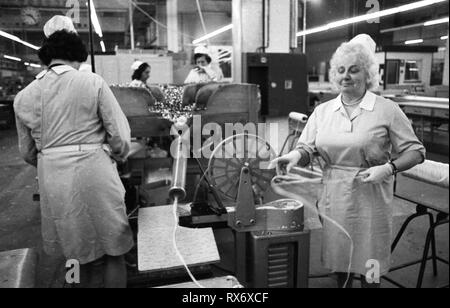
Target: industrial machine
<point>228,188</point>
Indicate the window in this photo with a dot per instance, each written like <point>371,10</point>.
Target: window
<point>413,71</point>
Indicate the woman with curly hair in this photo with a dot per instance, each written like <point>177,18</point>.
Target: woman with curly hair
<point>364,140</point>
<point>70,126</point>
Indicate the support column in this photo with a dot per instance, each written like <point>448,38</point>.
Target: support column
<point>248,25</point>
<point>446,65</point>
<point>172,25</point>
<point>131,10</point>
<point>279,26</point>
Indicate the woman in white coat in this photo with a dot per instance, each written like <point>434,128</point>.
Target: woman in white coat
<point>66,120</point>
<point>204,71</point>
<point>364,140</point>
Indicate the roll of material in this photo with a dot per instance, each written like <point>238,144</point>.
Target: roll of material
<point>298,117</point>
<point>430,172</point>
<point>178,191</point>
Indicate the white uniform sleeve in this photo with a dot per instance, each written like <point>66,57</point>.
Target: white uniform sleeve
<point>115,122</point>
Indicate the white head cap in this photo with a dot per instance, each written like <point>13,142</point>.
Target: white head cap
<point>85,68</point>
<point>58,23</point>
<point>202,50</point>
<point>366,41</point>
<point>136,65</point>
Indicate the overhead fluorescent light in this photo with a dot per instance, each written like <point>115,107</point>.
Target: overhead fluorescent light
<point>225,54</point>
<point>436,21</point>
<point>35,65</point>
<point>213,34</point>
<point>379,14</point>
<point>411,42</point>
<point>16,39</point>
<point>12,58</point>
<point>102,44</point>
<point>417,25</point>
<point>96,25</point>
<point>95,21</point>
<point>445,37</point>
<point>425,99</point>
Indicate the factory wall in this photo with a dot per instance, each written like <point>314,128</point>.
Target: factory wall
<point>279,26</point>
<point>321,46</point>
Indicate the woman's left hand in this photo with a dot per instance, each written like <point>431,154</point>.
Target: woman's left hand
<point>378,174</point>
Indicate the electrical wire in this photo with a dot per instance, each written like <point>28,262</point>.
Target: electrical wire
<point>280,191</point>
<point>197,187</point>
<point>175,246</point>
<point>158,22</point>
<point>202,20</point>
<point>290,195</point>
<point>277,190</point>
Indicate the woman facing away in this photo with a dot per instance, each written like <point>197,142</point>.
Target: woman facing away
<point>65,119</point>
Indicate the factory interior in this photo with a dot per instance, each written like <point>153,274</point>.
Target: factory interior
<point>197,215</point>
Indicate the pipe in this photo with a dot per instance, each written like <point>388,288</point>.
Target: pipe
<point>304,27</point>
<point>91,37</point>
<point>264,26</point>
<point>267,25</point>
<point>179,169</point>
<point>131,25</point>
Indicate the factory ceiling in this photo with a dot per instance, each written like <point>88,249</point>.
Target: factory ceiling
<point>100,4</point>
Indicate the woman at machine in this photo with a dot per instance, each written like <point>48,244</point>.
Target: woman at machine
<point>141,73</point>
<point>357,134</point>
<point>204,71</point>
<point>64,119</point>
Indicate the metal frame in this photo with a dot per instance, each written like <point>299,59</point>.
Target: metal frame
<point>441,219</point>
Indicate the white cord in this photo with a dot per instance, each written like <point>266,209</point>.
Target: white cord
<point>174,242</point>
<point>280,191</point>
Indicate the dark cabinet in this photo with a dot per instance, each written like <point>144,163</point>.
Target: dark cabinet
<point>282,79</point>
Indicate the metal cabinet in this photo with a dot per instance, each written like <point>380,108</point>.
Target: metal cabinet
<point>282,79</point>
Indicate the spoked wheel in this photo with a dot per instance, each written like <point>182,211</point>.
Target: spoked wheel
<point>235,153</point>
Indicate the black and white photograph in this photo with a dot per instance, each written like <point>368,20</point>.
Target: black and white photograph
<point>223,152</point>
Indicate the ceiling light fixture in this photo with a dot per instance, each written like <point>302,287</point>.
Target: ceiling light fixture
<point>213,34</point>
<point>12,58</point>
<point>379,14</point>
<point>436,22</point>
<point>411,42</point>
<point>16,39</point>
<point>102,44</point>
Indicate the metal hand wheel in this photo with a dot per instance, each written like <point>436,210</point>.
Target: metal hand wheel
<point>234,153</point>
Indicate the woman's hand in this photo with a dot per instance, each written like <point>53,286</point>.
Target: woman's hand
<point>378,174</point>
<point>284,164</point>
<point>200,70</point>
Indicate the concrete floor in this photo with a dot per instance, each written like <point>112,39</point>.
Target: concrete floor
<point>20,227</point>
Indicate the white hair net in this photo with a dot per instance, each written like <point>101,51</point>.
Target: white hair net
<point>58,23</point>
